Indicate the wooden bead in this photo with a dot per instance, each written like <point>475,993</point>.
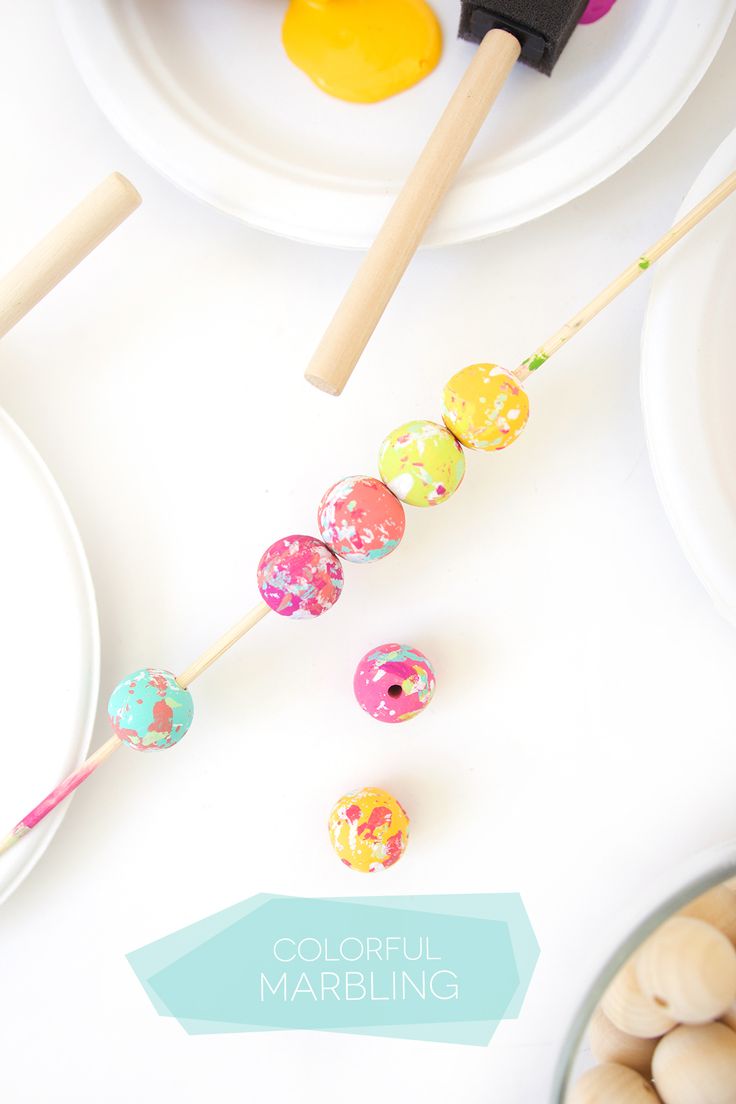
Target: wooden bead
<point>696,1065</point>
<point>730,884</point>
<point>730,1018</point>
<point>630,1010</point>
<point>609,1044</point>
<point>716,907</point>
<point>611,1084</point>
<point>689,968</point>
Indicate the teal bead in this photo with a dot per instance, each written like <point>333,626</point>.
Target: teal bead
<point>149,710</point>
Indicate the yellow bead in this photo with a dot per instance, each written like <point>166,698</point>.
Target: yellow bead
<point>369,830</point>
<point>485,406</point>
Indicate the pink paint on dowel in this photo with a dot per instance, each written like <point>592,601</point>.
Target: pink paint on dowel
<point>59,793</point>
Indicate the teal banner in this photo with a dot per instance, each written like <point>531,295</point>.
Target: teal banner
<point>445,968</point>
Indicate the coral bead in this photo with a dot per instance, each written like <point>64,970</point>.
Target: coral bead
<point>369,830</point>
<point>394,682</point>
<point>299,577</point>
<point>485,406</point>
<point>360,519</point>
<point>422,463</point>
<point>149,710</point>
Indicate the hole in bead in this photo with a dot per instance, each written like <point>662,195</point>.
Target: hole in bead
<point>394,691</point>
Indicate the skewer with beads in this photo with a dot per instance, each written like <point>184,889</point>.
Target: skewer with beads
<point>360,519</point>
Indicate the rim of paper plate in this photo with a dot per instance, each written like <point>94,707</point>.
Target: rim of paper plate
<point>675,374</point>
<point>631,107</point>
<point>37,841</point>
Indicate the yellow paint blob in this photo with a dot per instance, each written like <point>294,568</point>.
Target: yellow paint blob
<point>362,50</point>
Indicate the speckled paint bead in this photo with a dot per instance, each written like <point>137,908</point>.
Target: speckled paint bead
<point>394,682</point>
<point>485,406</point>
<point>422,463</point>
<point>360,519</point>
<point>299,577</point>
<point>369,830</point>
<point>149,710</point>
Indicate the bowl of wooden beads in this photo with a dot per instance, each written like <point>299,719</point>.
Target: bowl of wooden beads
<point>658,1023</point>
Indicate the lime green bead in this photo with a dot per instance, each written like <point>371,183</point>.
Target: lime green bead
<point>422,463</point>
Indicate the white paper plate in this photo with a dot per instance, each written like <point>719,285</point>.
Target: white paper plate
<point>689,386</point>
<point>202,90</point>
<point>49,647</point>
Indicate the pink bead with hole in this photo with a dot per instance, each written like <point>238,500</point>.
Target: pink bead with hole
<point>394,682</point>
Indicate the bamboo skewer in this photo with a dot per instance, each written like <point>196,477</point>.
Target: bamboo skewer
<point>82,773</point>
<point>54,257</point>
<point>626,278</point>
<point>99,213</point>
<point>194,670</point>
<point>251,619</point>
<point>59,793</point>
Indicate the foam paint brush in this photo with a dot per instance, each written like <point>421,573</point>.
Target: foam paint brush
<point>532,31</point>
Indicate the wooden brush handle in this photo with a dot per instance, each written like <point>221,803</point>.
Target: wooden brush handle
<point>61,250</point>
<point>399,237</point>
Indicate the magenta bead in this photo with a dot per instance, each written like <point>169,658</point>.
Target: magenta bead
<point>299,577</point>
<point>394,682</point>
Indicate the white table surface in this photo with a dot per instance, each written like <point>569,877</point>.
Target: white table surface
<point>583,731</point>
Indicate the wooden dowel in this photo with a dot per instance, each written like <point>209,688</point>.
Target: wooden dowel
<point>406,223</point>
<point>626,278</point>
<point>194,670</point>
<point>64,247</point>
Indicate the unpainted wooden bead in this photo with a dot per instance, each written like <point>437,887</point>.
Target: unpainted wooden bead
<point>696,1064</point>
<point>717,907</point>
<point>611,1084</point>
<point>631,1010</point>
<point>609,1044</point>
<point>729,1019</point>
<point>689,968</point>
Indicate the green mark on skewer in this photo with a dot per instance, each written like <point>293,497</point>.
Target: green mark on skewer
<point>536,361</point>
<point>644,263</point>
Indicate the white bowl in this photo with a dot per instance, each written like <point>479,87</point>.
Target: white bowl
<point>664,897</point>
